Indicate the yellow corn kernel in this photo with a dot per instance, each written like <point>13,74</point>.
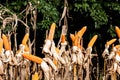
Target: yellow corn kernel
<point>35,76</point>
<point>92,41</point>
<point>52,31</point>
<point>25,39</point>
<point>111,41</point>
<point>32,58</point>
<point>62,38</point>
<point>6,42</point>
<point>117,29</point>
<point>1,45</point>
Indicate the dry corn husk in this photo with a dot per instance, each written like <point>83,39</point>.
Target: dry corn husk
<point>47,46</point>
<point>74,58</point>
<point>50,63</point>
<point>55,55</point>
<point>45,69</point>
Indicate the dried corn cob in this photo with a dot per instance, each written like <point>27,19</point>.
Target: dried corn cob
<point>1,45</point>
<point>79,35</point>
<point>111,41</point>
<point>52,31</point>
<point>32,58</point>
<point>35,76</point>
<point>81,32</point>
<point>62,38</point>
<point>6,42</point>
<point>117,31</point>
<point>24,41</point>
<point>92,41</point>
<point>117,46</point>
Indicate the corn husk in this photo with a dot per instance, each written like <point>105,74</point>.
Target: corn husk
<point>25,39</point>
<point>6,42</point>
<point>117,29</point>
<point>52,31</point>
<point>92,41</point>
<point>111,41</point>
<point>32,58</point>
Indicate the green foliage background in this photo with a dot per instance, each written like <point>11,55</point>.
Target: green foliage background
<point>100,17</point>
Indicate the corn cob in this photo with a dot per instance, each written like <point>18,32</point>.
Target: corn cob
<point>81,32</point>
<point>24,41</point>
<point>1,45</point>
<point>52,31</point>
<point>6,42</point>
<point>35,76</point>
<point>79,35</point>
<point>117,31</point>
<point>72,36</point>
<point>111,41</point>
<point>117,46</point>
<point>92,41</point>
<point>62,38</point>
<point>32,58</point>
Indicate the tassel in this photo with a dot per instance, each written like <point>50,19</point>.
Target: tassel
<point>6,42</point>
<point>52,31</point>
<point>25,39</point>
<point>92,41</point>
